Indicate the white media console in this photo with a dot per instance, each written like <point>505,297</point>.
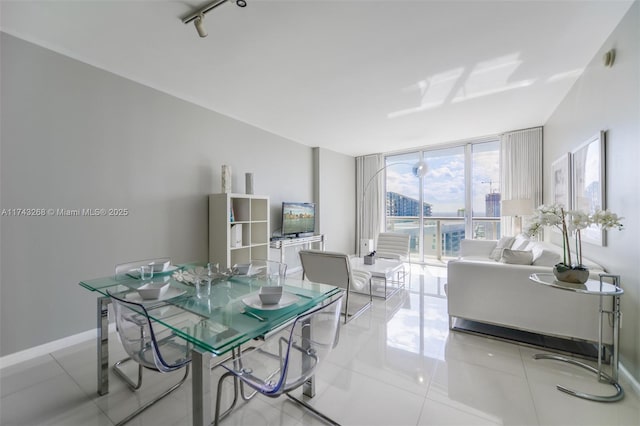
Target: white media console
<point>284,243</point>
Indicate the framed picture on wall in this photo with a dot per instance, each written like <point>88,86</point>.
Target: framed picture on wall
<point>588,164</point>
<point>561,178</point>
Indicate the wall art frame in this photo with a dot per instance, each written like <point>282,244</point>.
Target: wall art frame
<point>588,183</point>
<point>561,181</point>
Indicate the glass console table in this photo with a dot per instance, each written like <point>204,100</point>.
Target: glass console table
<point>600,289</point>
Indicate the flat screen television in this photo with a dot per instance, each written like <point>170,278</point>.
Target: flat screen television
<point>298,219</point>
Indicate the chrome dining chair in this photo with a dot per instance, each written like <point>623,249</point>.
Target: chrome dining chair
<point>150,344</point>
<point>287,360</point>
<point>334,268</point>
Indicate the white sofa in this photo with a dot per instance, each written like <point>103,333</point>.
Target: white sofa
<point>486,290</point>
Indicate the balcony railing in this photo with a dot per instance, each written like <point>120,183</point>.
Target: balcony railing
<point>441,236</point>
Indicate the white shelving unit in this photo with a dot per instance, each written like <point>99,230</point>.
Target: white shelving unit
<point>228,212</point>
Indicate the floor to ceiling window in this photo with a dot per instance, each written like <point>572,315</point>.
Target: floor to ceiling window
<point>485,190</point>
<point>458,198</point>
<point>403,198</point>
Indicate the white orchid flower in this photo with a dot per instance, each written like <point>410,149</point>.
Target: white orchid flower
<point>578,220</point>
<point>607,220</point>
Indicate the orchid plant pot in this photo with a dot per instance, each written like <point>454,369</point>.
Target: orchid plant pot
<point>571,274</point>
<point>572,223</point>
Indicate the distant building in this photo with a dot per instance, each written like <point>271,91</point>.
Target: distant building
<point>401,205</point>
<point>492,204</point>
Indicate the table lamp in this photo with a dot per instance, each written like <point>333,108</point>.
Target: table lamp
<point>517,208</point>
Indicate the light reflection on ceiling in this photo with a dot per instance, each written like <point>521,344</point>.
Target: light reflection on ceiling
<point>487,78</point>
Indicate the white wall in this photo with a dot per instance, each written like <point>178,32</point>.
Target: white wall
<point>335,187</point>
<point>73,137</point>
<point>609,99</point>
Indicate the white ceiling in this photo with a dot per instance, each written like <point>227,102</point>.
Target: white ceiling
<point>355,77</point>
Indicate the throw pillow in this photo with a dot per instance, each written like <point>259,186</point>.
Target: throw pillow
<point>520,242</point>
<point>546,258</point>
<point>503,243</point>
<point>516,257</point>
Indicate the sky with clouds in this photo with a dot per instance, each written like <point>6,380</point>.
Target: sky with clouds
<point>444,185</point>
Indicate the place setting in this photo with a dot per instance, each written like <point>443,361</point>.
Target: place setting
<point>155,290</point>
<point>270,298</point>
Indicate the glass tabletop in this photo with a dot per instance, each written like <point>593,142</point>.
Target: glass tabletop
<point>220,316</point>
<point>594,287</point>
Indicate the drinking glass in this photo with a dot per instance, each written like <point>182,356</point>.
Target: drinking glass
<point>146,272</point>
<point>213,269</point>
<point>277,274</point>
<point>203,286</point>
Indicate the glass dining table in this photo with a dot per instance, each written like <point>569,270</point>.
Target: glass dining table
<point>213,317</point>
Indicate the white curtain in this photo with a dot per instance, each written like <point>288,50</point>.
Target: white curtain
<point>371,197</point>
<point>521,170</point>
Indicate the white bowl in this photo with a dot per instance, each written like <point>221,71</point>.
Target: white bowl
<point>241,268</point>
<point>270,295</point>
<point>153,290</point>
<point>160,266</point>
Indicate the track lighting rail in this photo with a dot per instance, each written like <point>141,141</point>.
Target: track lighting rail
<point>198,17</point>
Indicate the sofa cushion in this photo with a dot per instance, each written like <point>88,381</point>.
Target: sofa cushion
<point>520,242</point>
<point>503,243</point>
<point>477,248</point>
<point>543,256</point>
<point>516,257</point>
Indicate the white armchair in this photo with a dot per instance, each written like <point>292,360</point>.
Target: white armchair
<point>393,245</point>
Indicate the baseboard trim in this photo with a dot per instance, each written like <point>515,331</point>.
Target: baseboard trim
<point>47,348</point>
<point>635,384</point>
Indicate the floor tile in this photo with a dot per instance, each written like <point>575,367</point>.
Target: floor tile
<point>55,401</point>
<point>355,399</point>
<point>28,373</point>
<point>438,414</point>
<point>482,351</point>
<point>558,408</point>
<point>497,396</point>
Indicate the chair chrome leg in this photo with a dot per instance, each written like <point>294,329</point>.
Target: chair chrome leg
<point>349,316</point>
<point>322,416</point>
<point>118,372</point>
<point>219,416</point>
<point>158,398</point>
<point>238,388</point>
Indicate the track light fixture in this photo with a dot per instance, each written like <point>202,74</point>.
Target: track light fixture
<point>198,17</point>
<point>199,27</point>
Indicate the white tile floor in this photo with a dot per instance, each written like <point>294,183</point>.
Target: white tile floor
<point>397,364</point>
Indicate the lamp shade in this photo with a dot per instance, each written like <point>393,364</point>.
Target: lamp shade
<point>522,207</point>
<point>419,169</point>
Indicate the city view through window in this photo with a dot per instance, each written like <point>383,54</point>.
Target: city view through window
<point>458,198</point>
